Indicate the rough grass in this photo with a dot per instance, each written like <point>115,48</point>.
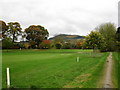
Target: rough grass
<point>116,72</point>
<point>52,68</point>
<point>0,69</point>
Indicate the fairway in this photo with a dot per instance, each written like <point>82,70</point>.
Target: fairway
<point>53,68</point>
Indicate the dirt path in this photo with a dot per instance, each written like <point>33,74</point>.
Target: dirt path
<point>107,81</point>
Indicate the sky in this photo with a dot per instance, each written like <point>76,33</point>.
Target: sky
<point>77,17</point>
<point>118,14</point>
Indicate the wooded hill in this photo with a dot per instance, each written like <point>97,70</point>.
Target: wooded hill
<point>67,37</point>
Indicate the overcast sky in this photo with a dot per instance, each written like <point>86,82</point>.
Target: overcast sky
<point>60,16</point>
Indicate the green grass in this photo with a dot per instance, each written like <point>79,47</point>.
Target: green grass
<point>0,69</point>
<point>52,68</point>
<point>116,66</point>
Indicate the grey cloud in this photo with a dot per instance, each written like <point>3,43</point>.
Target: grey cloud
<point>59,16</point>
<point>119,14</point>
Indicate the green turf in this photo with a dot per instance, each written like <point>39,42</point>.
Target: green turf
<point>52,68</point>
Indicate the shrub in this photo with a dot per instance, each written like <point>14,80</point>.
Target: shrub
<point>45,44</point>
<point>58,45</point>
<point>26,45</point>
<point>67,45</point>
<point>78,45</point>
<point>7,43</point>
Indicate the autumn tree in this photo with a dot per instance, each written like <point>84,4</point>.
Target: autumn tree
<point>35,34</point>
<point>94,40</point>
<point>108,31</point>
<point>45,44</point>
<point>14,30</point>
<point>78,45</point>
<point>3,29</point>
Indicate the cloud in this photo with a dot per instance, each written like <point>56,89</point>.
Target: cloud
<point>119,14</point>
<point>60,16</point>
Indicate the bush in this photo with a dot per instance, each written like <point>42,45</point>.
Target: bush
<point>45,44</point>
<point>67,45</point>
<point>58,45</point>
<point>78,45</point>
<point>26,45</point>
<point>7,43</point>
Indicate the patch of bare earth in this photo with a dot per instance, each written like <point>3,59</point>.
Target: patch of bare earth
<point>77,82</point>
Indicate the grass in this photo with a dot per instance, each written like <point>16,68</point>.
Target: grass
<point>52,68</point>
<point>0,69</point>
<point>116,66</point>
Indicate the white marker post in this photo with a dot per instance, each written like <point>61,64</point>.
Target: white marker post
<point>8,78</point>
<point>77,59</point>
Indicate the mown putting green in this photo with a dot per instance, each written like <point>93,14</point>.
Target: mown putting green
<point>52,68</point>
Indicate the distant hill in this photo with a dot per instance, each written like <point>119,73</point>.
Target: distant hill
<point>67,37</point>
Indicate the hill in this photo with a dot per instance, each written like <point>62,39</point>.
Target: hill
<point>67,37</point>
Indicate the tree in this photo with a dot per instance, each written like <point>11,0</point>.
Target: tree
<point>118,34</point>
<point>108,31</point>
<point>58,45</point>
<point>14,30</point>
<point>118,39</point>
<point>45,44</point>
<point>35,34</point>
<point>3,29</point>
<point>7,43</point>
<point>94,40</point>
<point>79,44</point>
<point>66,45</point>
<point>58,39</point>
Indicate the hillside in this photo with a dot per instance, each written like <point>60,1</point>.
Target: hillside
<point>67,37</point>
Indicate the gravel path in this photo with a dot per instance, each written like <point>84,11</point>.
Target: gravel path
<point>107,82</point>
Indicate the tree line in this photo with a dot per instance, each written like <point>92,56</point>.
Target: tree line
<point>105,37</point>
<point>34,34</point>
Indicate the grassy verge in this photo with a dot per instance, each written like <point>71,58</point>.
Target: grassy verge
<point>115,73</point>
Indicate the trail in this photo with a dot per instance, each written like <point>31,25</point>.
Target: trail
<point>107,79</point>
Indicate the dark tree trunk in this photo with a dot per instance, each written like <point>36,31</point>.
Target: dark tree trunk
<point>13,37</point>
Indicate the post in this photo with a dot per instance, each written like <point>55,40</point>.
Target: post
<point>77,59</point>
<point>8,78</point>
